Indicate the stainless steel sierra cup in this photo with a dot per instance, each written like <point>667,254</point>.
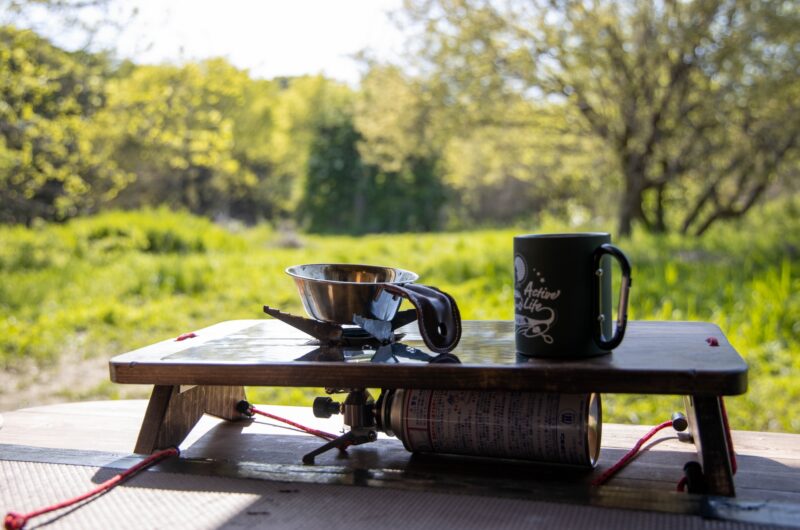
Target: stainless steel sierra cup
<point>339,292</point>
<point>334,292</point>
<point>562,295</point>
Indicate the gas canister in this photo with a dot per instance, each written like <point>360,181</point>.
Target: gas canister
<point>555,428</point>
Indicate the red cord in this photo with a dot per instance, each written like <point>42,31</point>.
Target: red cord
<point>625,460</point>
<point>610,472</point>
<point>16,521</point>
<point>309,430</point>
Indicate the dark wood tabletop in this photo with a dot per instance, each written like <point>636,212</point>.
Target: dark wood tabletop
<point>680,358</point>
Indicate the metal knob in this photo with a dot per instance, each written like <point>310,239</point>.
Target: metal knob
<point>679,422</point>
<point>325,407</point>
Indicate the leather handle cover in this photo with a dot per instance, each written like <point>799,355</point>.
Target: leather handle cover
<point>437,315</point>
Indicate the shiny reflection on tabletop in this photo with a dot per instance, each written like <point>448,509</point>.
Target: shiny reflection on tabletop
<point>271,341</point>
<point>491,342</point>
<point>482,342</point>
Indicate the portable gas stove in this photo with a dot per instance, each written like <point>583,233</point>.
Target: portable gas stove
<point>369,339</point>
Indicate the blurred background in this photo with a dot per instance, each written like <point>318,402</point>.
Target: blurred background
<point>161,163</point>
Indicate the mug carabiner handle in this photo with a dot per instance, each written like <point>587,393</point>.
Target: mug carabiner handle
<point>625,286</point>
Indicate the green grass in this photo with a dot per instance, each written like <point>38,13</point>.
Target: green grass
<point>104,285</point>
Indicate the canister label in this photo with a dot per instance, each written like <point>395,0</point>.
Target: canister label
<point>524,425</point>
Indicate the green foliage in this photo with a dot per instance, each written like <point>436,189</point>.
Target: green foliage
<point>111,283</point>
<point>334,195</point>
<point>173,128</point>
<point>676,116</point>
<point>744,277</point>
<point>352,188</point>
<point>344,195</point>
<point>51,165</point>
<point>692,102</point>
<point>525,162</point>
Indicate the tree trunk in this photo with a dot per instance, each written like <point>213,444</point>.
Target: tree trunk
<point>630,209</point>
<point>627,212</point>
<point>660,224</point>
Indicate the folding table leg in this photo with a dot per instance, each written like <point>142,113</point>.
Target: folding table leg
<point>708,431</point>
<point>174,410</point>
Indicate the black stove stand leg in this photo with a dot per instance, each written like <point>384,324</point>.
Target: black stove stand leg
<point>356,436</point>
<point>708,431</point>
<point>340,443</point>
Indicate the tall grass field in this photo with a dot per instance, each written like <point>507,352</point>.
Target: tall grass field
<point>100,286</point>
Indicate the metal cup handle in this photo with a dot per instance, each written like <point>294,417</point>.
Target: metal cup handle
<point>625,286</point>
<point>437,315</point>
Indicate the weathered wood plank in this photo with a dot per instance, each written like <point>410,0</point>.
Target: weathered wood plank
<point>112,427</point>
<point>173,412</point>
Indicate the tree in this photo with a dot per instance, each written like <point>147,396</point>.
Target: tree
<point>540,164</point>
<point>51,165</point>
<point>263,192</point>
<point>304,107</point>
<point>195,136</point>
<point>370,164</point>
<point>335,198</point>
<point>402,142</point>
<point>696,100</point>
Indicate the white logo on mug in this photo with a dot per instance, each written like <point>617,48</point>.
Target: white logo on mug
<point>533,316</point>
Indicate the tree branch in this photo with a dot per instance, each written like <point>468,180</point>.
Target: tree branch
<point>571,90</point>
<point>710,192</point>
<point>732,212</point>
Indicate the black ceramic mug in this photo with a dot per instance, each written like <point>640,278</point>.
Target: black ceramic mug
<point>562,295</point>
